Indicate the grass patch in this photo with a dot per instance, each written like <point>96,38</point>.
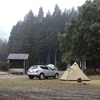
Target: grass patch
<point>24,81</point>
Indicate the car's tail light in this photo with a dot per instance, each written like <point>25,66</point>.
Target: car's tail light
<point>37,71</point>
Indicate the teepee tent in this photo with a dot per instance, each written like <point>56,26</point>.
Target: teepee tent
<point>73,73</point>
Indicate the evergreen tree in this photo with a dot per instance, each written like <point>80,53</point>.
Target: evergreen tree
<point>3,50</point>
<point>81,39</point>
<point>15,39</point>
<point>40,15</point>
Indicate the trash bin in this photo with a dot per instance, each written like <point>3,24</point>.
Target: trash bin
<point>79,80</point>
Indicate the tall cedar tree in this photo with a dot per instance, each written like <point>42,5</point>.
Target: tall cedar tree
<point>81,41</point>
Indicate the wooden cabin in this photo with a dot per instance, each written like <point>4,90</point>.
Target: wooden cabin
<point>18,63</point>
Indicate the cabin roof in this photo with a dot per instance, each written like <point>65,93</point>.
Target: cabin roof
<point>18,56</point>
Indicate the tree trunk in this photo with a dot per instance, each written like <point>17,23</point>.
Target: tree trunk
<point>49,58</point>
<point>56,57</point>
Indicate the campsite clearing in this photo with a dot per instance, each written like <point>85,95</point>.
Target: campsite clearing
<point>20,87</point>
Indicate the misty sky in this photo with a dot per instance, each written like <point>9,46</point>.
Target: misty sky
<point>11,11</point>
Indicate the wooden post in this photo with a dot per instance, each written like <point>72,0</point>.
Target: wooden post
<point>24,67</point>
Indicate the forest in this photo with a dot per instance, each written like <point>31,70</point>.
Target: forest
<point>58,38</point>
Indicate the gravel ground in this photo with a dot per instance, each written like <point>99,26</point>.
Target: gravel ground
<point>20,87</point>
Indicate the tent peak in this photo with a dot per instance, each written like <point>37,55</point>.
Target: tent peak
<point>75,62</point>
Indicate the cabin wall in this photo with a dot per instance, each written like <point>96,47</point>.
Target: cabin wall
<point>16,64</point>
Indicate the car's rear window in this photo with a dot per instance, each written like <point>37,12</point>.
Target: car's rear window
<point>46,68</point>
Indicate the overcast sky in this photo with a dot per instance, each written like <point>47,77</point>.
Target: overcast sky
<point>11,11</point>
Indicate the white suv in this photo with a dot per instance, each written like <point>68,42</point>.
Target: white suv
<point>42,72</point>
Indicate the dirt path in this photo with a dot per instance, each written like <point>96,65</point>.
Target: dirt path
<point>45,93</point>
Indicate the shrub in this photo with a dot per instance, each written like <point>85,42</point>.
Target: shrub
<point>4,66</point>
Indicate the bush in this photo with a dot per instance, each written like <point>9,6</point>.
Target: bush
<point>4,66</point>
<point>61,66</point>
<point>92,71</point>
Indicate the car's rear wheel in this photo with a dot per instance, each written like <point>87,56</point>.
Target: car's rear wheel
<point>31,77</point>
<point>56,76</point>
<point>41,76</point>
